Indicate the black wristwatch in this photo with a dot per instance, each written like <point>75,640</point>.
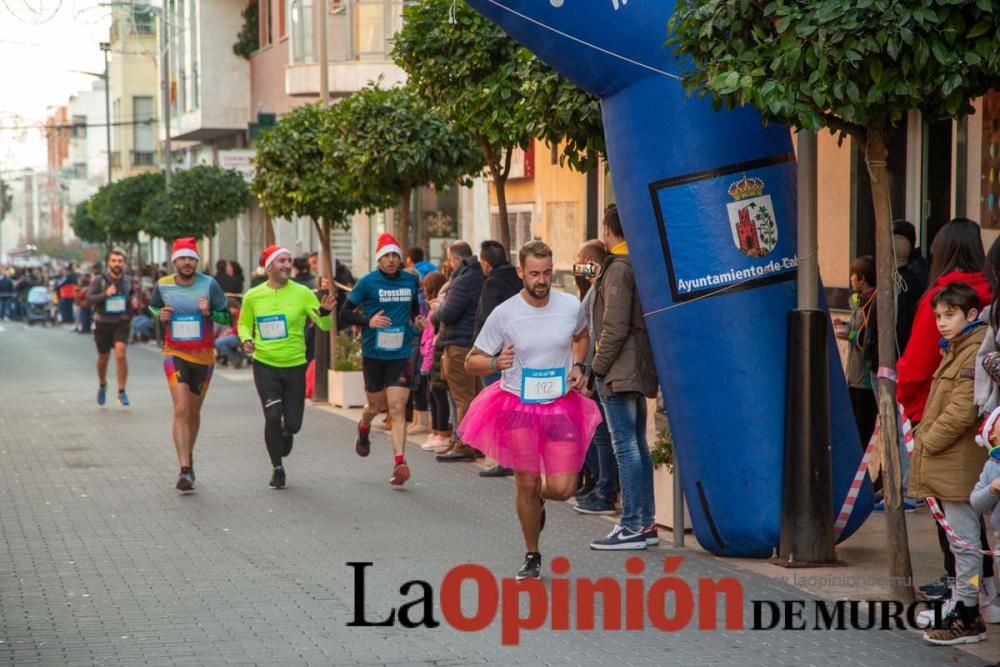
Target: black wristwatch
<point>582,366</point>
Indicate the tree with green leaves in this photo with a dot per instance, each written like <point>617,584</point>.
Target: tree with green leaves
<point>472,72</point>
<point>199,199</point>
<point>117,207</point>
<point>854,67</point>
<point>85,227</point>
<point>564,112</point>
<point>294,177</point>
<point>388,142</point>
<point>495,91</point>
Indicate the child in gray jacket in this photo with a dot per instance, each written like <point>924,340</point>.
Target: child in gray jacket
<point>986,494</point>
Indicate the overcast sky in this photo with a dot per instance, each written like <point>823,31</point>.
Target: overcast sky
<point>41,42</point>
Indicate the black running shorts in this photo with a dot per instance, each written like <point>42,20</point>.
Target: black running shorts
<point>106,334</point>
<point>382,373</point>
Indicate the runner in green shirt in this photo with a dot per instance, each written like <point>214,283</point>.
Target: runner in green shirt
<point>272,329</point>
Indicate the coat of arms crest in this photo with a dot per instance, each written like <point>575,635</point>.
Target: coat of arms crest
<point>751,217</point>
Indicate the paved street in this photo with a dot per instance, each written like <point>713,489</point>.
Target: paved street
<point>102,562</point>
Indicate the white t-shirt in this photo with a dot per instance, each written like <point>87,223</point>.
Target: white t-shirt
<point>542,337</point>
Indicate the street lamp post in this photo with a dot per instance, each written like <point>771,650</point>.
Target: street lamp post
<point>106,47</point>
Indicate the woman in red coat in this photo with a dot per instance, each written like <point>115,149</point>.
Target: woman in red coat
<point>956,256</point>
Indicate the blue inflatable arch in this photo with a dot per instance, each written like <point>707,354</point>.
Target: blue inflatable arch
<point>708,205</point>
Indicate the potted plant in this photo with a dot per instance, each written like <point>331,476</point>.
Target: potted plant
<point>662,453</point>
<point>346,382</point>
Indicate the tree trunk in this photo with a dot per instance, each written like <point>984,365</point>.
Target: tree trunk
<point>269,238</point>
<point>499,174</point>
<point>404,220</point>
<point>900,568</point>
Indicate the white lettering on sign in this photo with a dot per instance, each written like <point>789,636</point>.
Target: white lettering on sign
<point>403,295</point>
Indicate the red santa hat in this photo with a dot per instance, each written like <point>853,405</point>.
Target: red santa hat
<point>270,254</point>
<point>386,243</point>
<point>186,247</point>
<point>983,436</point>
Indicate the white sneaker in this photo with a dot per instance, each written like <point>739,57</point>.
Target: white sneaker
<point>925,619</point>
<point>436,443</point>
<point>989,601</point>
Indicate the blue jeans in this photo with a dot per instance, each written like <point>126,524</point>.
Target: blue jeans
<point>601,460</point>
<point>626,417</point>
<point>142,325</point>
<point>229,347</point>
<point>490,379</point>
<point>86,317</point>
<point>7,307</point>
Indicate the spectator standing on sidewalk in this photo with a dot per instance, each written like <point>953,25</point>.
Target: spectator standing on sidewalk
<point>625,377</point>
<point>600,461</point>
<point>67,293</point>
<point>958,256</point>
<point>859,383</point>
<point>502,283</point>
<point>415,260</point>
<point>947,460</point>
<point>458,315</point>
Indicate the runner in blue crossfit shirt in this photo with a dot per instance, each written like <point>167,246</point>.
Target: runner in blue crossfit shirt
<point>386,305</point>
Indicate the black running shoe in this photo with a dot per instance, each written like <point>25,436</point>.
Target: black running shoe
<point>278,479</point>
<point>532,568</point>
<point>362,444</point>
<point>185,481</point>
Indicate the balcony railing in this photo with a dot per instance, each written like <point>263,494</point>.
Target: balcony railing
<point>143,158</point>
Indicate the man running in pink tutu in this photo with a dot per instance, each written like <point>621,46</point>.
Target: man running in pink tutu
<point>532,420</point>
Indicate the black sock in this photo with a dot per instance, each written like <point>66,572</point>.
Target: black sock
<point>968,613</point>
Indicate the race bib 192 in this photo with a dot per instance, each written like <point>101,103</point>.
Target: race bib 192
<point>542,385</point>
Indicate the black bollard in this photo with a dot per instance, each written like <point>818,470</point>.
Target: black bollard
<point>807,498</point>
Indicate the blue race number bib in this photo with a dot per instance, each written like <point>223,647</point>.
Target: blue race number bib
<point>542,385</point>
<point>185,327</point>
<point>272,327</point>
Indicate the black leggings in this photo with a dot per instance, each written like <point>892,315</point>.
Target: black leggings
<point>282,394</point>
<point>440,410</point>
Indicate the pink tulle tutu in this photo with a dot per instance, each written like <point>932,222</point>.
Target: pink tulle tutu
<point>541,438</point>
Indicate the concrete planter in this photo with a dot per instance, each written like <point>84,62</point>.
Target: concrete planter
<point>663,495</point>
<point>347,389</point>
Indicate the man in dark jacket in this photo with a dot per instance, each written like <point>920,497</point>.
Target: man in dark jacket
<point>458,315</point>
<point>625,378</point>
<point>502,282</point>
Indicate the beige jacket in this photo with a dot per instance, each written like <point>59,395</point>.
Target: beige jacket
<point>946,459</point>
